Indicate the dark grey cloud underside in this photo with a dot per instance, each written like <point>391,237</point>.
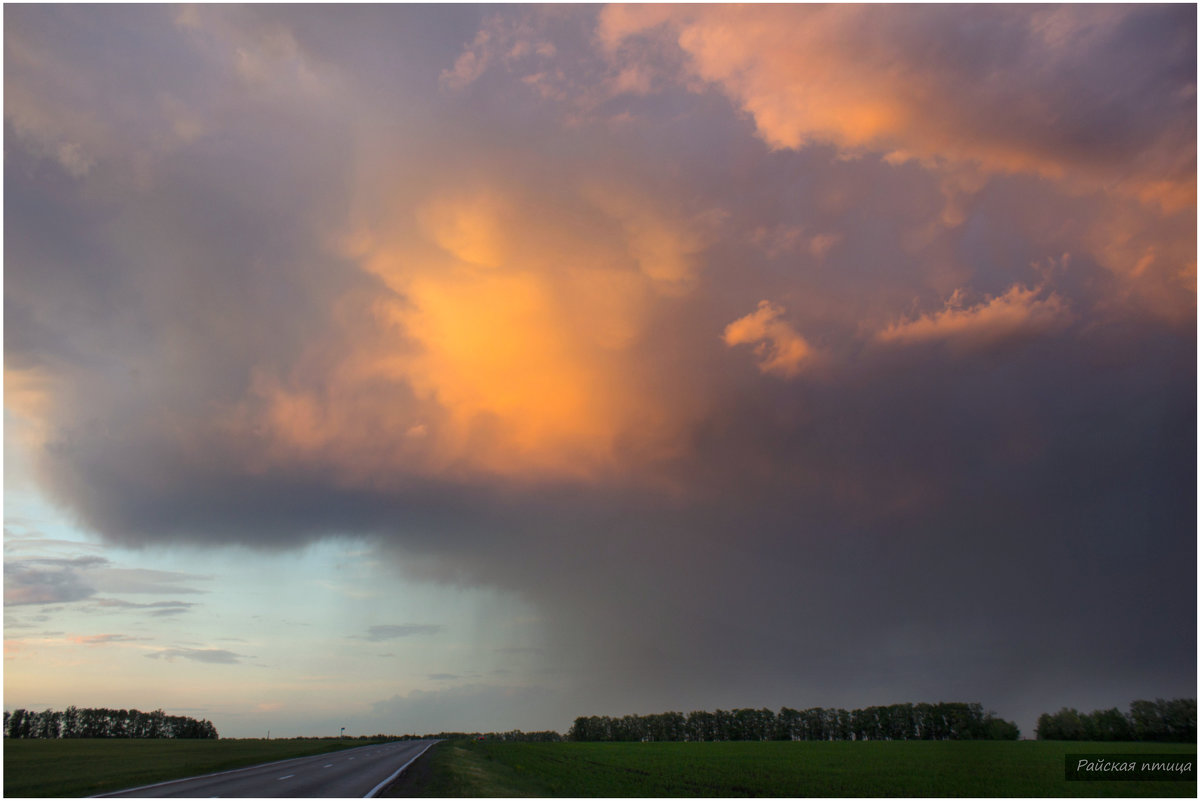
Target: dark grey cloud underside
<point>1015,527</point>
<point>899,542</point>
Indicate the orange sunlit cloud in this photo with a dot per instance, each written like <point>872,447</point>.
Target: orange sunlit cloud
<point>790,69</point>
<point>1153,260</point>
<point>1019,311</point>
<point>103,639</point>
<point>779,348</point>
<point>28,395</point>
<point>507,341</point>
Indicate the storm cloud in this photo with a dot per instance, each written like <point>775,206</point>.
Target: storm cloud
<point>764,383</point>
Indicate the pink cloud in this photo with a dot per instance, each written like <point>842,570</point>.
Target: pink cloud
<point>779,348</point>
<point>103,639</point>
<point>883,80</point>
<point>1019,311</point>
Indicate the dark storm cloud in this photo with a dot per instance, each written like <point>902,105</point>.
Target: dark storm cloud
<point>995,502</point>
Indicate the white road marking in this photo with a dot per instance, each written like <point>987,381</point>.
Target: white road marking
<point>194,778</point>
<point>391,778</point>
<point>281,778</point>
<point>330,765</point>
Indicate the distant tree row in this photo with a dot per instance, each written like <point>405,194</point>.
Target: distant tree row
<point>941,721</point>
<point>515,736</point>
<point>1148,721</point>
<point>74,722</point>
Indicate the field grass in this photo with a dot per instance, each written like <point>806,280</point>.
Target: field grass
<point>57,768</point>
<point>781,769</point>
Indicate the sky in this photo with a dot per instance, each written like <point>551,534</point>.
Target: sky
<point>419,368</point>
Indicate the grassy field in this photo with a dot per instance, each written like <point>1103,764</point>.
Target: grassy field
<point>467,768</point>
<point>58,768</point>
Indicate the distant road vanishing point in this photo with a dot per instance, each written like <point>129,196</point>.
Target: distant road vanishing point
<point>353,773</point>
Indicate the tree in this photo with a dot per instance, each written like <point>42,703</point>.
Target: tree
<point>787,724</point>
<point>1070,724</point>
<point>1146,720</point>
<point>1179,719</point>
<point>18,724</point>
<point>70,724</point>
<point>841,724</point>
<point>997,729</point>
<point>1110,725</point>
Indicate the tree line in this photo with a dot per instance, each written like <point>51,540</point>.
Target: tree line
<point>940,721</point>
<point>1147,721</point>
<point>514,736</point>
<point>74,722</point>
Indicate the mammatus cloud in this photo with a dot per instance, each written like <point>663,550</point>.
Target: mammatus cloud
<point>394,632</point>
<point>779,348</point>
<point>216,656</point>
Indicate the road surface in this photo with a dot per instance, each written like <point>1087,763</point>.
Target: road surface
<point>352,773</point>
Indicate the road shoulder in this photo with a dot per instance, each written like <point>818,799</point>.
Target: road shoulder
<point>412,783</point>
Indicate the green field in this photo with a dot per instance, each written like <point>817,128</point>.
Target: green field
<point>468,768</point>
<point>87,767</point>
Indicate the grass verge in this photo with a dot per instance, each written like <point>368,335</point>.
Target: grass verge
<point>71,768</point>
<point>465,768</point>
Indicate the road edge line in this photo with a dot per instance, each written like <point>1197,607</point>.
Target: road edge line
<point>396,775</point>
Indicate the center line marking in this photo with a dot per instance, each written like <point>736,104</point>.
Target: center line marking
<point>330,765</point>
<point>281,778</point>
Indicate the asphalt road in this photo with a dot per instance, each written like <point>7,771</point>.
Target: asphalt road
<point>352,773</point>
